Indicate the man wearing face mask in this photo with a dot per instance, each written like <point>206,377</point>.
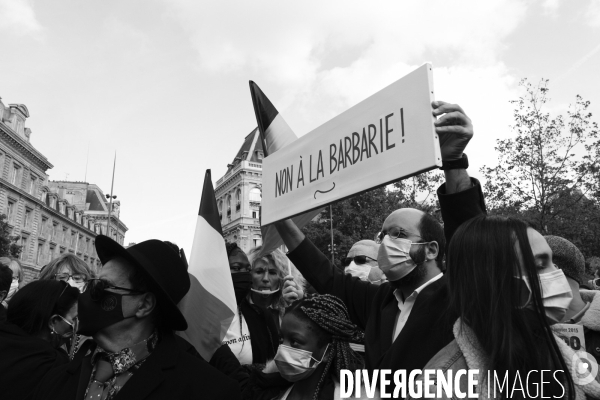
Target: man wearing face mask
<point>361,262</point>
<point>404,319</point>
<point>17,279</point>
<point>131,312</point>
<point>6,278</point>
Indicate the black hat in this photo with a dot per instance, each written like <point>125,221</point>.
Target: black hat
<point>162,265</point>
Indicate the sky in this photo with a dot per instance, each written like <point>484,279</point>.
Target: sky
<point>164,83</point>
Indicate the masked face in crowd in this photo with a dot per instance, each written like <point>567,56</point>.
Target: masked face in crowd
<point>240,274</point>
<point>110,303</point>
<point>301,351</point>
<point>554,287</point>
<point>62,328</point>
<point>265,278</point>
<point>72,278</point>
<point>14,286</point>
<point>402,253</point>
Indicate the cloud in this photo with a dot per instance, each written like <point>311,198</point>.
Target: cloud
<point>287,51</point>
<point>593,13</point>
<point>18,17</point>
<point>550,7</point>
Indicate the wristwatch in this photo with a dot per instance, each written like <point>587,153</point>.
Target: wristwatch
<point>461,163</point>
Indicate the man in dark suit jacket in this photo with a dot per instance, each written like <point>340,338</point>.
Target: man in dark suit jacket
<point>131,313</point>
<point>405,320</point>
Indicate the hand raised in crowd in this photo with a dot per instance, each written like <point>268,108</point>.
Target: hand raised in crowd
<point>291,292</point>
<point>454,128</point>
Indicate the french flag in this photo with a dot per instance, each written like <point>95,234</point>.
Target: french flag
<point>209,306</point>
<point>275,133</point>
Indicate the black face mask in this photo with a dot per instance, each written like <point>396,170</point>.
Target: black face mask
<point>96,315</point>
<point>242,282</point>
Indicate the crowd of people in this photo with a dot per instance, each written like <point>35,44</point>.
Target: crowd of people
<point>479,292</point>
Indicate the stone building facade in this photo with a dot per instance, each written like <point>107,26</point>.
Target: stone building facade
<point>238,195</point>
<point>47,218</point>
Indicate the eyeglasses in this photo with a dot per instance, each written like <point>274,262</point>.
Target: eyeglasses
<point>77,278</point>
<point>394,233</point>
<point>97,287</point>
<point>357,260</point>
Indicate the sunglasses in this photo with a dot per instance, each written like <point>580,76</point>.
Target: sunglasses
<point>357,260</point>
<point>77,278</point>
<point>97,287</point>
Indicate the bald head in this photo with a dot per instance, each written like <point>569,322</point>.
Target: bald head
<point>407,220</point>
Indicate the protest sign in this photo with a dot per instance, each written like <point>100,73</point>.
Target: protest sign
<point>384,138</point>
<point>572,335</point>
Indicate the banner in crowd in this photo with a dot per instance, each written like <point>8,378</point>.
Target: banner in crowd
<point>387,137</point>
<point>209,306</point>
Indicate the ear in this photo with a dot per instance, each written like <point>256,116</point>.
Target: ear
<point>3,294</point>
<point>51,323</point>
<point>432,250</point>
<point>146,305</point>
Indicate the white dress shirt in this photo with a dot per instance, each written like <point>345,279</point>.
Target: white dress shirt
<point>405,306</point>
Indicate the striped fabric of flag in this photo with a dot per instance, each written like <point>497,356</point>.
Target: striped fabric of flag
<point>275,133</point>
<point>209,306</point>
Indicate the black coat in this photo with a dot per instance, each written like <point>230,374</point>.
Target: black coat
<point>374,308</point>
<point>170,372</point>
<point>24,360</point>
<point>2,314</point>
<point>264,331</point>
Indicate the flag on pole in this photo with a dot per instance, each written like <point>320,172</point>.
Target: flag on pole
<point>209,306</point>
<point>275,133</point>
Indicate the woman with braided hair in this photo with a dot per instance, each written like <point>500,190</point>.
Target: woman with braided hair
<point>314,348</point>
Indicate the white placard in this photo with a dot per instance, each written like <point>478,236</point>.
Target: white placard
<point>387,137</point>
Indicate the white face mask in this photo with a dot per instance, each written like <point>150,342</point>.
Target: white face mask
<point>265,291</point>
<point>394,258</point>
<point>556,295</point>
<point>295,364</point>
<point>78,285</point>
<point>359,271</point>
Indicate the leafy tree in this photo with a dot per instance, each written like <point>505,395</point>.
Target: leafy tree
<point>8,244</point>
<point>361,216</point>
<point>548,172</point>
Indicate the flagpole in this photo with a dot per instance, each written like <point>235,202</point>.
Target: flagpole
<point>111,196</point>
<point>331,230</point>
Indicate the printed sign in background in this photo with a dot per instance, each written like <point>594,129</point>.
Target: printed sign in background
<point>571,334</point>
<point>386,137</point>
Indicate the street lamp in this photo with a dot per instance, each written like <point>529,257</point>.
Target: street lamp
<point>108,196</point>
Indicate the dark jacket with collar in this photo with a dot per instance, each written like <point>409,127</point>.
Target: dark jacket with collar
<point>374,308</point>
<point>24,360</point>
<point>264,332</point>
<point>172,371</point>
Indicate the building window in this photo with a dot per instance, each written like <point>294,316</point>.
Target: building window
<point>32,184</point>
<point>27,218</point>
<point>65,239</point>
<point>44,229</point>
<point>54,230</point>
<point>43,196</point>
<point>73,238</point>
<point>254,214</point>
<point>24,243</point>
<point>10,210</point>
<point>52,251</point>
<point>255,194</point>
<point>53,202</point>
<point>62,208</point>
<point>14,174</point>
<point>39,258</point>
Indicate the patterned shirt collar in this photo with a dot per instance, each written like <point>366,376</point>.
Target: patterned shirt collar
<point>124,359</point>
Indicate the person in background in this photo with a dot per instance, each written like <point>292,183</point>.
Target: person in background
<point>315,332</point>
<point>361,262</point>
<point>131,312</point>
<point>73,270</point>
<point>18,277</point>
<point>41,318</point>
<point>69,268</point>
<point>507,293</point>
<point>263,290</point>
<point>6,279</point>
<point>584,309</point>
